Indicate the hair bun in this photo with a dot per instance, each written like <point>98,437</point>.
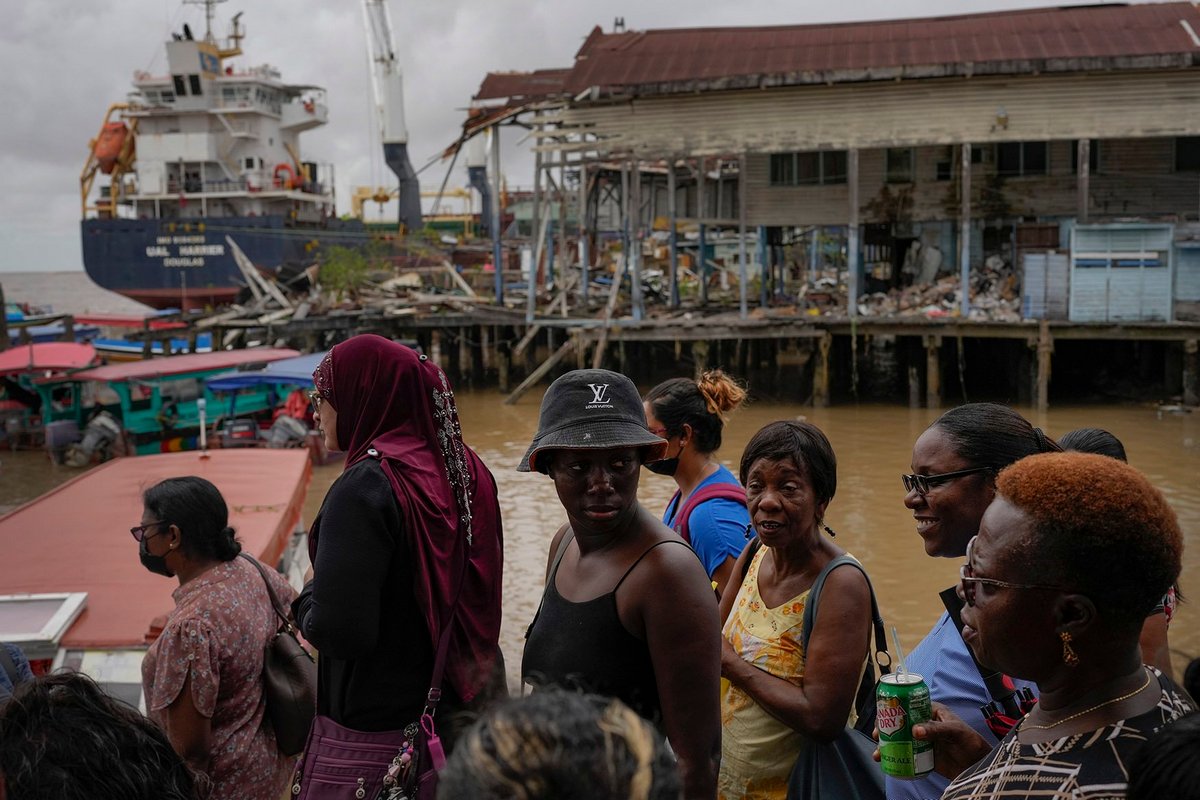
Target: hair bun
<point>228,532</point>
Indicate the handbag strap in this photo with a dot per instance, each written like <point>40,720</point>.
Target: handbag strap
<point>882,657</point>
<point>275,604</point>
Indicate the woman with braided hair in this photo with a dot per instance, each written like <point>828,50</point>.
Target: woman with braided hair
<point>557,744</point>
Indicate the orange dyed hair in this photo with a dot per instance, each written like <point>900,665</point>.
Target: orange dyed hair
<point>1100,527</point>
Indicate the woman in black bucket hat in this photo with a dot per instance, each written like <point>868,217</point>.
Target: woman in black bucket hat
<point>622,615</point>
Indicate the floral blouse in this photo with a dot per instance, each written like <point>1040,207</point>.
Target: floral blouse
<point>215,636</point>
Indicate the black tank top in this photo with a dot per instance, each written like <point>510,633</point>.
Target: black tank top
<point>584,647</point>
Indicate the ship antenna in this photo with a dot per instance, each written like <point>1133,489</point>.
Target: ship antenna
<point>210,10</point>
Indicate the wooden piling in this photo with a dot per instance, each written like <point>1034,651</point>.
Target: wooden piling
<point>933,371</point>
<point>1045,349</point>
<point>914,387</point>
<point>541,371</point>
<point>821,371</point>
<point>1191,372</point>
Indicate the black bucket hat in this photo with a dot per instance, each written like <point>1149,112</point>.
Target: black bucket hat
<point>591,409</point>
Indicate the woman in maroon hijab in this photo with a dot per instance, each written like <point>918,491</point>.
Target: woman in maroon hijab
<point>389,542</point>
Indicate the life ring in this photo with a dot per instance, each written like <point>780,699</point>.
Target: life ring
<point>291,176</point>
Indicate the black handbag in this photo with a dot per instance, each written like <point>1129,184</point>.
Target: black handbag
<point>843,769</point>
<point>289,679</point>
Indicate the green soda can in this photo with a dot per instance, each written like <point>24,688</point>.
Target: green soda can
<point>902,701</point>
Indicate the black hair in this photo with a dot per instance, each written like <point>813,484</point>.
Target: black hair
<point>992,435</point>
<point>1166,766</point>
<point>1093,440</point>
<point>197,508</point>
<point>702,404</point>
<point>804,444</point>
<point>558,744</point>
<point>63,738</point>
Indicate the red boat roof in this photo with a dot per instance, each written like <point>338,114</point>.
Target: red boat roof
<point>192,362</point>
<point>128,321</point>
<point>75,538</point>
<point>53,356</point>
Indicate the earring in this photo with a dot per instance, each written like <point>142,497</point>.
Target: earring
<point>1070,657</point>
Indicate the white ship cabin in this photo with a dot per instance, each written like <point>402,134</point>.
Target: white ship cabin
<point>213,140</point>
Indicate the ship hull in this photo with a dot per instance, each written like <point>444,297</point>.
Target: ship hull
<point>189,264</point>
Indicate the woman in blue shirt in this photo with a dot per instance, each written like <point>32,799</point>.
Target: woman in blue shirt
<point>709,510</point>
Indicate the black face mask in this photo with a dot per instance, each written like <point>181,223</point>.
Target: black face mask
<point>155,564</point>
<point>665,466</point>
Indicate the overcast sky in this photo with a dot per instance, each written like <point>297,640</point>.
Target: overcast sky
<point>65,61</point>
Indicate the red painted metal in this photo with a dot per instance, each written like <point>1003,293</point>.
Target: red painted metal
<point>191,362</point>
<point>46,356</point>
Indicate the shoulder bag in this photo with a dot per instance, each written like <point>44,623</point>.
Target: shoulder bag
<point>340,763</point>
<point>289,678</point>
<point>843,769</point>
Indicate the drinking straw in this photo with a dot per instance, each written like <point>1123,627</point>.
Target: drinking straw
<point>900,670</point>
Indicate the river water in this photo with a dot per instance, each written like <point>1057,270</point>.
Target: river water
<point>873,446</point>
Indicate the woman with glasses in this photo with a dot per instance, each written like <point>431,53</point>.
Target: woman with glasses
<point>954,467</point>
<point>1056,584</point>
<point>202,677</point>
<point>709,510</point>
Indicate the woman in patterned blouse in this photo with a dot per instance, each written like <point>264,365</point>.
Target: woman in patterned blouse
<point>202,677</point>
<point>1071,555</point>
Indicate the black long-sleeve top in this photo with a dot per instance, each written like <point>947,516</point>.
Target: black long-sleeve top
<point>375,656</point>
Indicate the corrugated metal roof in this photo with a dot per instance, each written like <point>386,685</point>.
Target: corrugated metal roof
<point>536,84</point>
<point>1016,42</point>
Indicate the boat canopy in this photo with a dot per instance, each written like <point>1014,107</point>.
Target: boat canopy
<point>289,371</point>
<point>46,357</point>
<point>177,365</point>
<point>75,538</point>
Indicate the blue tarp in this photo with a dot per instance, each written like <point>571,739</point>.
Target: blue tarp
<point>289,371</point>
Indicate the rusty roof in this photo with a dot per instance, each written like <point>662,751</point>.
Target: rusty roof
<point>1152,35</point>
<point>537,84</point>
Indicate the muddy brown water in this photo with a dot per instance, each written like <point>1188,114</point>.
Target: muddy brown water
<point>873,446</point>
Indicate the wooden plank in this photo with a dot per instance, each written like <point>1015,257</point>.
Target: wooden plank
<point>458,279</point>
<point>529,336</point>
<point>536,376</point>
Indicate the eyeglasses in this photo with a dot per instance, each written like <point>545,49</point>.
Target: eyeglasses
<point>139,531</point>
<point>314,397</point>
<point>966,575</point>
<point>923,483</point>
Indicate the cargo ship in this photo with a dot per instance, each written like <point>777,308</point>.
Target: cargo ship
<point>199,157</point>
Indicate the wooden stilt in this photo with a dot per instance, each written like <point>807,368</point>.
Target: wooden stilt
<point>540,372</point>
<point>821,371</point>
<point>914,387</point>
<point>1191,372</point>
<point>933,371</point>
<point>1045,350</point>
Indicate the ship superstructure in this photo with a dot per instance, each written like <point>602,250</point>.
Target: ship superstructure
<point>208,150</point>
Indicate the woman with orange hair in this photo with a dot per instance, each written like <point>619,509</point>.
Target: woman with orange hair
<point>1072,554</point>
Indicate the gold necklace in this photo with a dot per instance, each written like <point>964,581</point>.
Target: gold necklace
<point>1026,724</point>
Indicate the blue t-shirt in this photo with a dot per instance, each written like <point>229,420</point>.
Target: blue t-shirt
<point>944,661</point>
<point>717,527</point>
<point>23,672</point>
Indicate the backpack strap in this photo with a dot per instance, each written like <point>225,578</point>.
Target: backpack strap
<point>9,666</point>
<point>715,491</point>
<point>993,680</point>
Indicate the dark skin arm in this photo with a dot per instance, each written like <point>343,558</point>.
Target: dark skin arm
<point>819,706</point>
<point>672,595</point>
<point>736,571</point>
<point>722,574</point>
<point>190,731</point>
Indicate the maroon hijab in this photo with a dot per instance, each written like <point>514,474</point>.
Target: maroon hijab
<point>399,404</point>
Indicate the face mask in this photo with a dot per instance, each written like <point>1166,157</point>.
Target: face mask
<point>155,564</point>
<point>665,466</point>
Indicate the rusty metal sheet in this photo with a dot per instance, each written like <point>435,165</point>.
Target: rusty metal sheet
<point>537,84</point>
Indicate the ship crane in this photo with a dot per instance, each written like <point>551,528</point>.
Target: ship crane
<point>387,82</point>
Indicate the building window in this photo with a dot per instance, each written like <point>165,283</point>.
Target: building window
<point>944,171</point>
<point>1187,153</point>
<point>900,164</point>
<point>194,82</point>
<point>249,162</point>
<point>1093,156</point>
<point>1014,159</point>
<point>180,86</point>
<point>808,169</point>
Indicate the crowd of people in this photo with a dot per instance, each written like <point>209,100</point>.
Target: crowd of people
<point>671,655</point>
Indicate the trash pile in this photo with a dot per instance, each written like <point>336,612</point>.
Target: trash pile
<point>995,295</point>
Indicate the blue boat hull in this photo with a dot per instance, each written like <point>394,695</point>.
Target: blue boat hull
<point>174,263</point>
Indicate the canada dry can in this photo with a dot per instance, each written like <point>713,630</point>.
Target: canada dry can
<point>902,701</point>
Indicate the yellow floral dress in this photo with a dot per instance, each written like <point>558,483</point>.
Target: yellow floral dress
<point>757,750</point>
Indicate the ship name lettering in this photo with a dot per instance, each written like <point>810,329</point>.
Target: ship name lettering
<point>202,250</point>
<point>157,252</point>
<point>187,240</point>
<point>183,262</point>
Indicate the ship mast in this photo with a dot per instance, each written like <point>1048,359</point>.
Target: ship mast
<point>210,11</point>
